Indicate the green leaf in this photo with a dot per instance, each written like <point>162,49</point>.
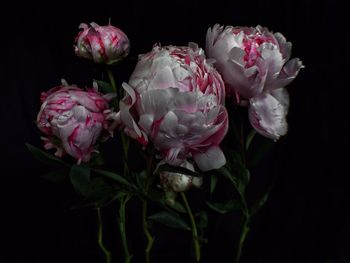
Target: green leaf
<point>56,176</point>
<point>177,206</point>
<point>116,177</point>
<point>104,87</point>
<point>80,179</point>
<point>170,220</point>
<point>213,182</point>
<point>224,208</point>
<point>141,179</point>
<point>249,139</point>
<point>180,170</point>
<point>44,156</point>
<point>203,220</point>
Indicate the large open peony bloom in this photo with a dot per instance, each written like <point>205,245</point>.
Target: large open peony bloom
<point>102,44</point>
<point>175,99</point>
<point>254,63</point>
<point>73,120</point>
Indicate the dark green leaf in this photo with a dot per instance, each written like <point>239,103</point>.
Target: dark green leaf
<point>203,220</point>
<point>56,176</point>
<point>177,206</point>
<point>223,208</point>
<point>213,182</point>
<point>116,177</point>
<point>80,179</point>
<point>141,179</point>
<point>249,139</point>
<point>170,220</point>
<point>44,156</point>
<point>104,87</point>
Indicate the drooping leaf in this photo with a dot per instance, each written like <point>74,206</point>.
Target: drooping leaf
<point>44,156</point>
<point>170,220</point>
<point>224,208</point>
<point>80,179</point>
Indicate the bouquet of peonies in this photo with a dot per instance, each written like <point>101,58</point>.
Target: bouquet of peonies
<point>177,108</point>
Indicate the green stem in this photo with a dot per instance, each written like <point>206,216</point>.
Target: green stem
<point>243,236</point>
<point>197,248</point>
<point>122,228</point>
<point>111,79</point>
<point>148,235</point>
<point>105,251</point>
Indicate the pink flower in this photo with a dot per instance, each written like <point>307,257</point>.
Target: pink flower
<point>102,44</point>
<point>175,99</point>
<point>255,63</point>
<point>73,120</point>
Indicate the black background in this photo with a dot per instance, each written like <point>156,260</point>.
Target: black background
<point>307,216</point>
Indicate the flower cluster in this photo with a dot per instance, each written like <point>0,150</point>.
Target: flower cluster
<point>179,106</point>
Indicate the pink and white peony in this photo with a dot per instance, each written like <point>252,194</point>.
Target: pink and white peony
<point>73,120</point>
<point>254,63</point>
<point>175,99</point>
<point>102,44</point>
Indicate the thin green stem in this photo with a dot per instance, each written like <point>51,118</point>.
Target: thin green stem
<point>124,200</point>
<point>111,79</point>
<point>197,248</point>
<point>148,235</point>
<point>243,236</point>
<point>105,251</point>
<point>122,228</point>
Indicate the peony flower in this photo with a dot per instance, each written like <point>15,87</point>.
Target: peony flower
<point>268,111</point>
<point>175,100</point>
<point>102,44</point>
<point>254,64</point>
<point>73,120</point>
<point>252,60</point>
<point>177,182</point>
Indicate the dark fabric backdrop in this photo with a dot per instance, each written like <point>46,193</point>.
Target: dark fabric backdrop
<point>307,216</point>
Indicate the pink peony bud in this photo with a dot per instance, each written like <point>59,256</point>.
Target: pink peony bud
<point>175,99</point>
<point>102,44</point>
<point>254,64</point>
<point>73,120</point>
